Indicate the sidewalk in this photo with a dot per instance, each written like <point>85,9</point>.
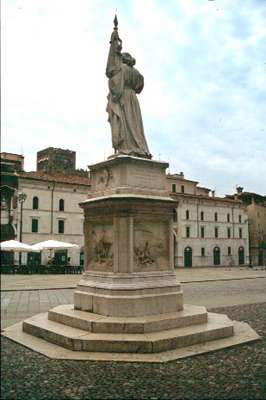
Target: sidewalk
<point>34,282</point>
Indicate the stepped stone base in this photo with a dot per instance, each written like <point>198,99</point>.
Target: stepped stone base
<point>56,335</point>
<point>218,326</point>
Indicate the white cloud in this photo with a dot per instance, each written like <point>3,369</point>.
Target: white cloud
<point>204,69</point>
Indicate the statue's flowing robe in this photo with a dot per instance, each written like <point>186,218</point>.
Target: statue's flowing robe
<point>124,111</point>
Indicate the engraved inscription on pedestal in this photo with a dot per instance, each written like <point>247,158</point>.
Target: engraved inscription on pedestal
<point>151,250</point>
<point>100,246</point>
<point>148,178</point>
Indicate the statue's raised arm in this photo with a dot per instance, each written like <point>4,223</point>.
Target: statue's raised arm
<point>114,57</point>
<point>123,106</point>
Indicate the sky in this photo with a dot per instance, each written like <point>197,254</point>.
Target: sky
<point>204,100</point>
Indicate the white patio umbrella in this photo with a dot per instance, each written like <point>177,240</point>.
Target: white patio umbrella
<point>54,245</point>
<point>14,245</point>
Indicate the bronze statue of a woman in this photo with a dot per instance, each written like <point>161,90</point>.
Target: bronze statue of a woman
<point>123,107</point>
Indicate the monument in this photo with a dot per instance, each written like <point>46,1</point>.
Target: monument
<point>128,305</point>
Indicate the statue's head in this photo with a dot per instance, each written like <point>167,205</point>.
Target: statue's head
<point>128,59</point>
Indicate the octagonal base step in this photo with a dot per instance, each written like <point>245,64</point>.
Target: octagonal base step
<point>67,315</point>
<point>218,326</point>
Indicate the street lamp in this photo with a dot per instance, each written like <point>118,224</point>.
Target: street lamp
<point>21,198</point>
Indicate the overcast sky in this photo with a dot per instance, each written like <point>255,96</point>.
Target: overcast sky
<point>204,65</point>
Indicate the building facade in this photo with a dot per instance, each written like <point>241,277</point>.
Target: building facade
<point>256,210</point>
<point>208,230</point>
<point>11,164</point>
<point>37,206</point>
<point>53,160</point>
<point>51,210</point>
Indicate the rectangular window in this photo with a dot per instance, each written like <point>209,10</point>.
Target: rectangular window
<point>173,188</point>
<point>187,231</point>
<point>61,226</point>
<point>174,215</point>
<point>202,231</point>
<point>182,189</point>
<point>240,218</point>
<point>240,233</point>
<point>202,216</point>
<point>228,233</point>
<point>202,251</point>
<point>34,225</point>
<point>215,217</point>
<point>216,232</point>
<point>229,251</point>
<point>228,217</point>
<point>187,214</point>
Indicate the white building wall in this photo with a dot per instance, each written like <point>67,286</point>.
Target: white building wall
<point>49,195</point>
<point>209,207</point>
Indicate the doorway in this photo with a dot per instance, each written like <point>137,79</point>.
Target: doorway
<point>241,256</point>
<point>216,256</point>
<point>60,257</point>
<point>188,257</point>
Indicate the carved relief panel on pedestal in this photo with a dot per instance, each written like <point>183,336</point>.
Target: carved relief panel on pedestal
<point>100,241</point>
<point>151,245</point>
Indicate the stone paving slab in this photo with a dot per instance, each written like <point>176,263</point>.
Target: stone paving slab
<point>32,282</point>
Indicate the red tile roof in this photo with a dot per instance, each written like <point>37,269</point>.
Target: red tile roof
<point>57,177</point>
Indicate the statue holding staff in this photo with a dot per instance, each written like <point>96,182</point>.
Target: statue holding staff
<point>123,108</point>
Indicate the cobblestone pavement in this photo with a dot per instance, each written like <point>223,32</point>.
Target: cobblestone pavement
<point>237,373</point>
<point>20,304</point>
<point>17,281</point>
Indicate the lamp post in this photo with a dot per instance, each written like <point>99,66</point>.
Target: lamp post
<point>21,198</point>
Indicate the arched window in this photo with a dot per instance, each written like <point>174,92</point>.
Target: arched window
<point>35,203</point>
<point>187,214</point>
<point>61,205</point>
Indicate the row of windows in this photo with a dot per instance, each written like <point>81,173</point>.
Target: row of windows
<point>216,232</point>
<point>215,216</point>
<point>35,204</point>
<point>229,251</point>
<point>216,255</point>
<point>35,225</point>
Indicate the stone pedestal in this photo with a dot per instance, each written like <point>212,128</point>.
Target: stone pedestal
<point>129,268</point>
<point>128,304</point>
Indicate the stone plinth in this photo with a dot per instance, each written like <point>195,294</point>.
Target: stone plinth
<point>128,263</point>
<point>128,175</point>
